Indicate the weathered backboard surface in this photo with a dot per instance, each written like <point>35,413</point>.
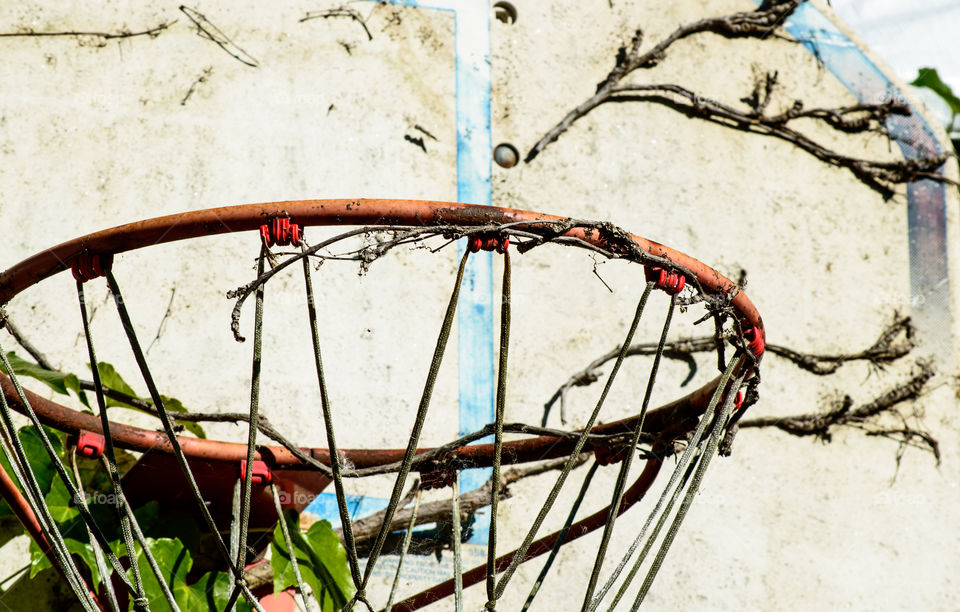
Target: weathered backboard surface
<point>408,101</point>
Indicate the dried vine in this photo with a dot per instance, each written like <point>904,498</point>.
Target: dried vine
<point>348,13</point>
<point>200,80</point>
<point>207,30</point>
<point>102,37</point>
<point>760,23</point>
<point>842,413</point>
<point>895,341</point>
<point>439,511</point>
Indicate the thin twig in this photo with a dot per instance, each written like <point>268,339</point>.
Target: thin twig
<point>425,132</point>
<point>38,356</point>
<point>339,12</point>
<point>166,315</point>
<point>206,74</point>
<point>103,36</point>
<point>207,30</point>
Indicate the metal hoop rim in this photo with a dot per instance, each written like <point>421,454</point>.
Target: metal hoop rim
<point>372,212</point>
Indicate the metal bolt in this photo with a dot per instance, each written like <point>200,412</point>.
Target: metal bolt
<point>506,155</point>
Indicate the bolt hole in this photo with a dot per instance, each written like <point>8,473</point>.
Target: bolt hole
<point>505,12</point>
<point>506,155</point>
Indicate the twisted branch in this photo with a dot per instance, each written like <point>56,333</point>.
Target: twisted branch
<point>842,413</point>
<point>895,341</point>
<point>880,176</point>
<point>760,23</point>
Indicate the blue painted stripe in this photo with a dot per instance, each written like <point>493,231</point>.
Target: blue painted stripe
<point>926,199</point>
<point>475,311</point>
<point>325,506</point>
<point>474,162</point>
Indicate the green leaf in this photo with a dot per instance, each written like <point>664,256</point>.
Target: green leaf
<point>37,456</point>
<point>39,561</point>
<point>60,382</point>
<point>326,545</point>
<point>184,527</point>
<point>10,527</point>
<point>64,511</point>
<point>321,557</point>
<point>174,562</point>
<point>111,379</point>
<point>93,475</point>
<point>58,500</point>
<point>147,515</point>
<point>55,491</point>
<point>214,590</point>
<point>22,367</point>
<point>928,77</point>
<point>71,382</point>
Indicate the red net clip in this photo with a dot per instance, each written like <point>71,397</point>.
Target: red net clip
<point>281,231</point>
<point>754,339</point>
<point>261,472</point>
<point>90,445</point>
<point>671,282</point>
<point>88,266</point>
<point>606,456</point>
<point>488,242</point>
<point>737,403</point>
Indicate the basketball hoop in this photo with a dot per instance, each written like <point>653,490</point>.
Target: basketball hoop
<point>690,427</point>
